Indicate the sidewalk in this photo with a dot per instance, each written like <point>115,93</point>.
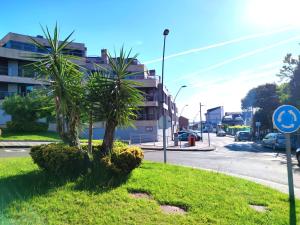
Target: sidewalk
<point>22,144</point>
<point>200,146</point>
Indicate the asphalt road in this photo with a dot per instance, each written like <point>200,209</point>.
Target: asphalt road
<point>14,152</point>
<point>244,159</point>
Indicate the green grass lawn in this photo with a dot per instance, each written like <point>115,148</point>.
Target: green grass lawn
<point>37,136</point>
<point>28,196</point>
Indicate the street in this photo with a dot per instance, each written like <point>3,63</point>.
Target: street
<point>244,159</point>
<point>14,152</point>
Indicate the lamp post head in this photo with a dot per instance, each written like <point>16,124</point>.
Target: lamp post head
<point>183,86</point>
<point>166,32</point>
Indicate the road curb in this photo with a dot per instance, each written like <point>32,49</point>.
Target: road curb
<point>179,150</point>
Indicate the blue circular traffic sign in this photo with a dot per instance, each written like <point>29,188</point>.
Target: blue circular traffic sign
<point>286,118</point>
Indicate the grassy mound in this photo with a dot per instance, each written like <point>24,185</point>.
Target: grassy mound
<point>29,196</point>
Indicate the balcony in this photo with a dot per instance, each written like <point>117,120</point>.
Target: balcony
<point>21,80</point>
<point>4,94</point>
<point>146,116</point>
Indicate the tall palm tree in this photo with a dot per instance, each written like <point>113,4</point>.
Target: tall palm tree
<point>116,99</point>
<point>65,79</point>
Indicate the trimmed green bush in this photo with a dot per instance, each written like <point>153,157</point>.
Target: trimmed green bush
<point>96,148</point>
<point>26,126</point>
<point>124,159</point>
<point>60,159</point>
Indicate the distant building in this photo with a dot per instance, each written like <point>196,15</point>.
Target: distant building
<point>247,117</point>
<point>183,123</point>
<point>214,116</point>
<point>233,119</point>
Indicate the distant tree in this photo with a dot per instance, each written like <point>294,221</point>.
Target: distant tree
<point>290,73</point>
<point>283,91</point>
<point>264,99</point>
<point>294,85</point>
<point>288,68</point>
<point>249,99</point>
<point>25,111</point>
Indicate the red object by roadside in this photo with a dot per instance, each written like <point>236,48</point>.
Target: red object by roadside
<point>192,140</point>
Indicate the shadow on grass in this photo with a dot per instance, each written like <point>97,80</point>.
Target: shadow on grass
<point>101,180</point>
<point>37,183</point>
<point>25,186</point>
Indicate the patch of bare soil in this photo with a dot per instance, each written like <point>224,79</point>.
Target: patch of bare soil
<point>259,208</point>
<point>140,195</point>
<point>171,209</point>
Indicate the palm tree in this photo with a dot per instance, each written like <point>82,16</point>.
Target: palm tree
<point>115,98</point>
<point>65,80</point>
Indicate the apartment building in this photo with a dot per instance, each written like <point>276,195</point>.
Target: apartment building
<point>214,116</point>
<point>17,78</point>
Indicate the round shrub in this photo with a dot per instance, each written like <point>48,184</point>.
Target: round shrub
<point>60,159</point>
<point>124,159</point>
<point>97,148</point>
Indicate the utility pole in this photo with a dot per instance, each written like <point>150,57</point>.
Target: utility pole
<point>201,129</point>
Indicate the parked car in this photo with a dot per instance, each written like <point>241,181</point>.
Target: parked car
<point>277,141</point>
<point>184,135</point>
<point>298,155</point>
<point>274,141</point>
<point>221,133</point>
<point>242,136</point>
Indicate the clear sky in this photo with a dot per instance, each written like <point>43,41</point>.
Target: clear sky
<point>218,48</point>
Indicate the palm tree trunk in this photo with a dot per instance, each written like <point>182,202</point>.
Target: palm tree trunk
<point>73,132</point>
<point>60,124</point>
<point>108,137</point>
<point>90,147</point>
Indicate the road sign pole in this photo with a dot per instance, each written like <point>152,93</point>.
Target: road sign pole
<point>286,118</point>
<point>290,180</point>
<point>208,138</point>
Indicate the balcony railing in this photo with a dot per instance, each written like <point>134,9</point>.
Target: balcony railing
<point>151,98</point>
<point>4,94</point>
<point>146,116</point>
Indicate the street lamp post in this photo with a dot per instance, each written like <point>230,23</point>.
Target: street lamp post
<point>182,110</point>
<point>175,121</point>
<point>166,32</point>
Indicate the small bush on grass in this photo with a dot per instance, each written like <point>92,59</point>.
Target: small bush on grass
<point>124,159</point>
<point>60,159</point>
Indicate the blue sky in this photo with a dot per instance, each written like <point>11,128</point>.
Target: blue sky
<point>263,31</point>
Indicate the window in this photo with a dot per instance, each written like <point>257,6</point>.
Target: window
<point>3,67</point>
